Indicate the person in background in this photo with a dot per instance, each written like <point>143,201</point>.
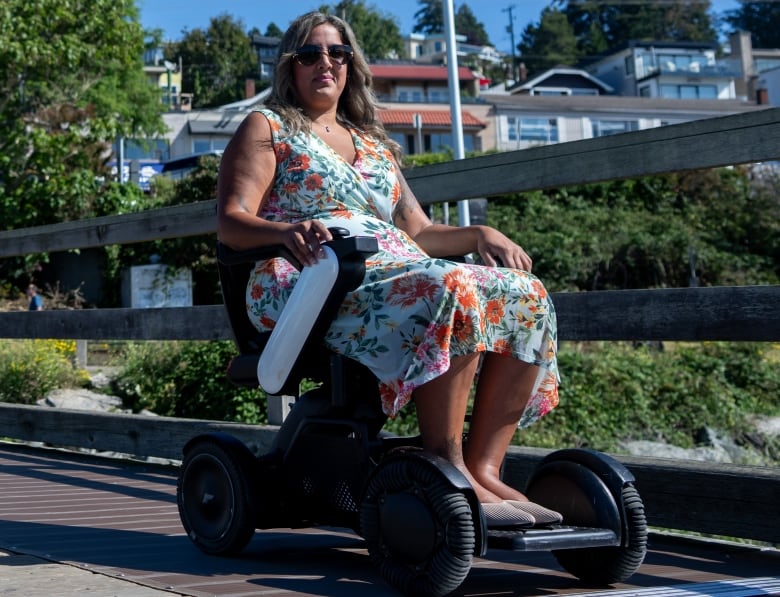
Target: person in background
<point>318,157</point>
<point>36,302</point>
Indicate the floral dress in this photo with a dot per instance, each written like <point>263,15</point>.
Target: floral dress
<point>412,313</point>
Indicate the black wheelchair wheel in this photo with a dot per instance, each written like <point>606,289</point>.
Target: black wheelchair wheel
<point>418,529</point>
<point>215,500</point>
<point>609,565</point>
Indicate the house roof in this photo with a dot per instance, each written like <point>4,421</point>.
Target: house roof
<point>557,75</point>
<point>247,104</point>
<point>430,118</point>
<point>418,72</point>
<point>226,122</point>
<point>616,106</point>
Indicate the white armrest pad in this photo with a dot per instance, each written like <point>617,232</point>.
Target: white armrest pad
<point>297,319</point>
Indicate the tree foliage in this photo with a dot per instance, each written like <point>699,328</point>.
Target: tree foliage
<point>599,26</point>
<point>548,44</point>
<point>761,19</point>
<point>429,19</point>
<point>216,62</point>
<point>722,225</point>
<point>71,81</point>
<point>467,24</point>
<point>378,33</point>
<point>619,22</point>
<point>273,30</point>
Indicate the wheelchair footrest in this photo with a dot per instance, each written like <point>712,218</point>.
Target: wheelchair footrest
<point>552,538</point>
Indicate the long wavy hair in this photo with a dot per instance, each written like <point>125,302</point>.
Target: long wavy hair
<point>357,103</point>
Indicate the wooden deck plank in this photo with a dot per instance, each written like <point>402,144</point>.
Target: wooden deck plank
<point>142,542</point>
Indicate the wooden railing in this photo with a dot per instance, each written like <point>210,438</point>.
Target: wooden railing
<point>729,500</point>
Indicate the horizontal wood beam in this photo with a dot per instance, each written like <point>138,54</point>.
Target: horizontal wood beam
<point>140,436</point>
<point>709,143</point>
<point>177,221</point>
<point>719,499</point>
<point>729,313</point>
<point>733,313</point>
<point>207,322</point>
<point>728,140</point>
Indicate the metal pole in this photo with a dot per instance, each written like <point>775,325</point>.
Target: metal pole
<point>120,158</point>
<point>454,86</point>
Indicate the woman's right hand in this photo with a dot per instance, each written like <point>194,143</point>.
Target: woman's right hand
<point>303,240</point>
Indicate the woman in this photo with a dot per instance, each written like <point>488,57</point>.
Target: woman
<point>319,157</point>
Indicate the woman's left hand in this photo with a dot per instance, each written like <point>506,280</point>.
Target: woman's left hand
<point>495,249</point>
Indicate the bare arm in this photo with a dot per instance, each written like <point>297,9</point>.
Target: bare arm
<point>440,240</point>
<point>246,177</point>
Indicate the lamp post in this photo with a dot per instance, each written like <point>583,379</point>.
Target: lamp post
<point>454,86</point>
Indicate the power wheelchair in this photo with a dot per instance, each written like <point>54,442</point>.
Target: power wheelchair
<point>332,465</point>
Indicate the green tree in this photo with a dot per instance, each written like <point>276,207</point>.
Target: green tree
<point>599,25</point>
<point>642,233</point>
<point>429,19</point>
<point>377,33</point>
<point>548,44</point>
<point>273,30</point>
<point>467,24</point>
<point>216,62</point>
<point>760,18</point>
<point>71,81</point>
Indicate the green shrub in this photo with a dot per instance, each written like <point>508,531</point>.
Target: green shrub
<point>186,379</point>
<point>30,369</point>
<point>615,391</point>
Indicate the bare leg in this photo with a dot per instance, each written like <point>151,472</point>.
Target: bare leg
<point>505,385</point>
<point>441,410</point>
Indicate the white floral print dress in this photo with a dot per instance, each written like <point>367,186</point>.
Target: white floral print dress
<point>412,313</point>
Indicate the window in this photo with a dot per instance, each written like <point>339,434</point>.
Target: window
<point>268,52</point>
<point>550,91</point>
<point>441,141</point>
<point>405,141</point>
<point>629,63</point>
<point>532,129</point>
<point>584,91</point>
<point>708,92</point>
<point>410,94</point>
<point>170,93</point>
<point>604,128</point>
<point>439,96</point>
<point>146,149</point>
<point>208,145</point>
<point>689,91</point>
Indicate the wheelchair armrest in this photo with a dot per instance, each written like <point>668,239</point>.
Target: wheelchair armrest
<point>228,256</point>
<point>312,306</point>
<point>342,244</point>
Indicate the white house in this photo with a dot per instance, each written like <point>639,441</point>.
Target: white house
<point>671,70</point>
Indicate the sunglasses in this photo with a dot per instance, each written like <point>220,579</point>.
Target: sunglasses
<point>310,54</point>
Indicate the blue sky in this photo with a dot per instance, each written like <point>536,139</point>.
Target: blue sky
<point>173,16</point>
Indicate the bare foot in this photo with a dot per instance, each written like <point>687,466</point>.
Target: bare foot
<point>500,489</point>
<point>484,495</point>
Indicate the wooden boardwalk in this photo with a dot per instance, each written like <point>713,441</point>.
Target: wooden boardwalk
<point>75,525</point>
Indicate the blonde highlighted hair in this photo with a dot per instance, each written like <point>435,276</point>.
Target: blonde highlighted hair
<point>357,103</point>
